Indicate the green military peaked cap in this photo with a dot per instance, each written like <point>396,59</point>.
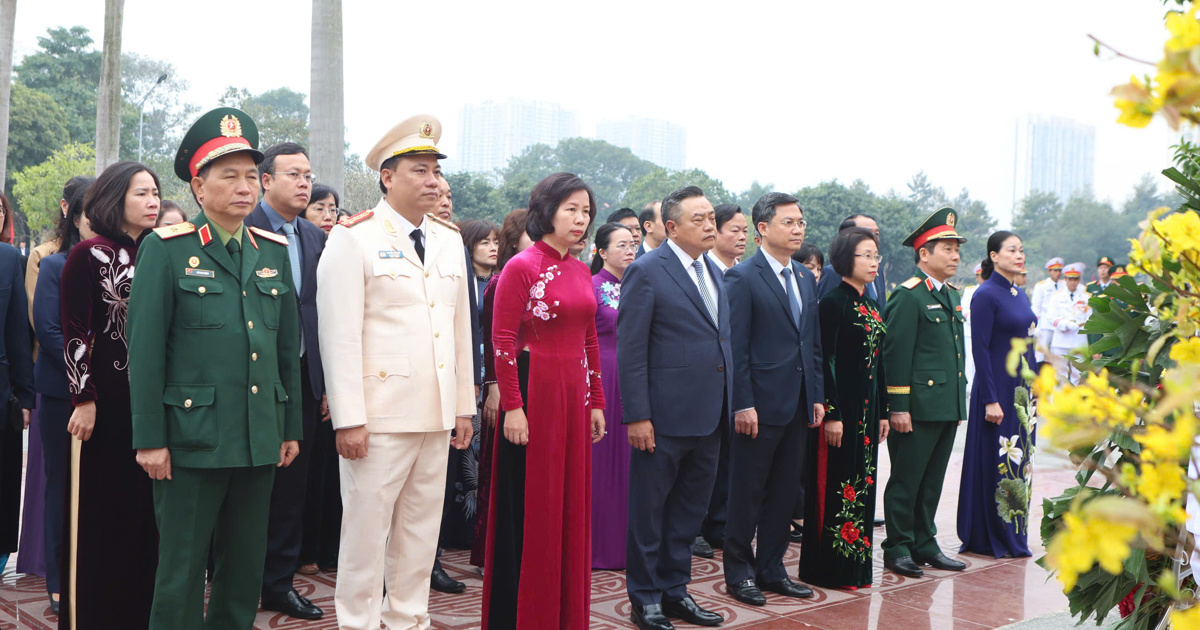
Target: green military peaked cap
<point>221,131</point>
<point>939,225</point>
<point>1105,260</point>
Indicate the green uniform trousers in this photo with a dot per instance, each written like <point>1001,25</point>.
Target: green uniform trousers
<point>919,460</point>
<point>227,509</point>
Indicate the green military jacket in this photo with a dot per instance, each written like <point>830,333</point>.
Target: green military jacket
<point>923,353</point>
<point>214,351</point>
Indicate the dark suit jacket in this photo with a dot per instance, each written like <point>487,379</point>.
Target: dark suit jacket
<point>50,370</point>
<point>312,243</point>
<point>769,352</point>
<point>830,280</point>
<point>476,325</point>
<point>16,373</point>
<point>675,366</point>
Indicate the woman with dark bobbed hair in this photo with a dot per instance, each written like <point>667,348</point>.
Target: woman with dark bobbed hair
<point>840,489</point>
<point>322,209</point>
<point>111,547</point>
<point>993,505</point>
<point>538,570</point>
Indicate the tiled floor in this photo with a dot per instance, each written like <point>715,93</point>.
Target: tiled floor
<point>989,594</point>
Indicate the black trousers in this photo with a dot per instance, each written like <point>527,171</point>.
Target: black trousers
<point>669,491</point>
<point>53,415</point>
<point>764,473</point>
<point>285,525</point>
<point>322,501</point>
<point>713,529</point>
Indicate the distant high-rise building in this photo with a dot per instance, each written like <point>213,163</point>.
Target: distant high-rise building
<point>493,132</point>
<point>1055,155</point>
<point>654,140</point>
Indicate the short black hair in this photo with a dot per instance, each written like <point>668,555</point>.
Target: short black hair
<point>104,203</point>
<point>671,203</point>
<point>67,232</point>
<point>848,222</point>
<point>764,208</point>
<point>165,206</point>
<point>841,253</point>
<point>267,165</point>
<point>647,216</point>
<point>725,212</point>
<point>320,192</point>
<point>547,196</point>
<point>808,251</point>
<point>388,165</point>
<point>616,216</point>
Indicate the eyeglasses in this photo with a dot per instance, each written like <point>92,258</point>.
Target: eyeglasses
<point>875,257</point>
<point>294,176</point>
<point>329,212</point>
<point>791,223</point>
<point>623,247</point>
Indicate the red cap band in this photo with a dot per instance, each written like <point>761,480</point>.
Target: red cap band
<point>214,146</point>
<point>931,234</point>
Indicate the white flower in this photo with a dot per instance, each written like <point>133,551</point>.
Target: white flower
<point>1010,449</point>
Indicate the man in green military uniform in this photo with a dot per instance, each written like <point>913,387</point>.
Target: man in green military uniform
<point>923,357</point>
<point>1103,278</point>
<point>214,374</point>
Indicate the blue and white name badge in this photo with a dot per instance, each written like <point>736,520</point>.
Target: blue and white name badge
<point>933,307</point>
<point>393,254</point>
<point>200,273</point>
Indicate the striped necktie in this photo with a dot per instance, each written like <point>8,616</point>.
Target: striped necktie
<point>704,294</point>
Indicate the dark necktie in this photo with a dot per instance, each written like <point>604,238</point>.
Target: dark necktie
<point>793,303</point>
<point>418,243</point>
<point>235,252</point>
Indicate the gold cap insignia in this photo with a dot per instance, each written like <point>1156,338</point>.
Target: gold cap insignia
<point>194,261</point>
<point>426,130</point>
<point>950,219</point>
<point>231,127</point>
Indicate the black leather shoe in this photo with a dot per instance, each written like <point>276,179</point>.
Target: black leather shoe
<point>943,563</point>
<point>747,592</point>
<point>904,566</point>
<point>788,588</point>
<point>879,522</point>
<point>650,617</point>
<point>688,610</point>
<point>701,549</point>
<point>797,535</point>
<point>292,605</point>
<point>54,606</point>
<point>443,583</point>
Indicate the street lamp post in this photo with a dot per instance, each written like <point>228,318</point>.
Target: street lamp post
<point>141,116</point>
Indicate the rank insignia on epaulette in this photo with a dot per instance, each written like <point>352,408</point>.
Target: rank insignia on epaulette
<point>929,284</point>
<point>171,231</point>
<point>441,221</point>
<point>911,283</point>
<point>205,233</point>
<point>358,218</point>
<point>270,236</point>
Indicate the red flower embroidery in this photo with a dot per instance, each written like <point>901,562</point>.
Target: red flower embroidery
<point>870,481</point>
<point>867,543</point>
<point>848,492</point>
<point>866,441</point>
<point>862,308</point>
<point>849,532</point>
<point>868,327</point>
<point>875,315</point>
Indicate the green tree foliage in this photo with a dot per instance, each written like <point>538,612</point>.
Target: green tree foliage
<point>608,169</point>
<point>37,126</point>
<point>1083,229</point>
<point>67,68</point>
<point>38,188</point>
<point>659,183</point>
<point>281,114</point>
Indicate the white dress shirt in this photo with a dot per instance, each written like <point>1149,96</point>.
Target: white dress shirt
<point>717,261</point>
<point>405,227</point>
<point>709,281</point>
<point>778,268</point>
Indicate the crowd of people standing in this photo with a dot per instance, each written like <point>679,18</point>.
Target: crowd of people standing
<point>284,387</point>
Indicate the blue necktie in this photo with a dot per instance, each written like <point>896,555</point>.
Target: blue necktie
<point>289,230</point>
<point>793,303</point>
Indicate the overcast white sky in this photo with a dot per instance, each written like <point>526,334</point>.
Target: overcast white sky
<point>791,92</point>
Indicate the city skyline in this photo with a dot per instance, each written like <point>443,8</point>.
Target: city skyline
<point>1051,154</point>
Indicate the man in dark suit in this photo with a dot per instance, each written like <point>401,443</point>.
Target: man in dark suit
<point>676,379</point>
<point>830,279</point>
<point>653,228</point>
<point>286,178</point>
<point>778,393</point>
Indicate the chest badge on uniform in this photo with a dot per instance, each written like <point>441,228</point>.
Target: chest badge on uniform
<point>200,273</point>
<point>387,254</point>
<point>933,307</point>
<point>194,261</point>
<point>267,273</point>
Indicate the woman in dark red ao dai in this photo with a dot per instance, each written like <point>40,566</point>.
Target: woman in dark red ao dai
<point>111,551</point>
<point>840,487</point>
<point>538,570</point>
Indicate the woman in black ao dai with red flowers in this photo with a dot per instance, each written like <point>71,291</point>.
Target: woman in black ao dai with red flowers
<point>840,485</point>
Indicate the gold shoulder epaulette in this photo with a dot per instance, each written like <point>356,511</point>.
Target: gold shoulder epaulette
<point>911,283</point>
<point>171,231</point>
<point>440,221</point>
<point>358,218</point>
<point>270,236</point>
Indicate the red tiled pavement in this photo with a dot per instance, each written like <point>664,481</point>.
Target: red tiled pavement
<point>989,594</point>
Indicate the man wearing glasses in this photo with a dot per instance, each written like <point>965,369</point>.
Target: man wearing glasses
<point>287,179</point>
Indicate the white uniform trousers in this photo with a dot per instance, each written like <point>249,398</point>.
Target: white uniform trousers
<point>391,517</point>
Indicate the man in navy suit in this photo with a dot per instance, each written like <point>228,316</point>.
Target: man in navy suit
<point>778,395</point>
<point>676,379</point>
<point>830,279</point>
<point>287,178</point>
